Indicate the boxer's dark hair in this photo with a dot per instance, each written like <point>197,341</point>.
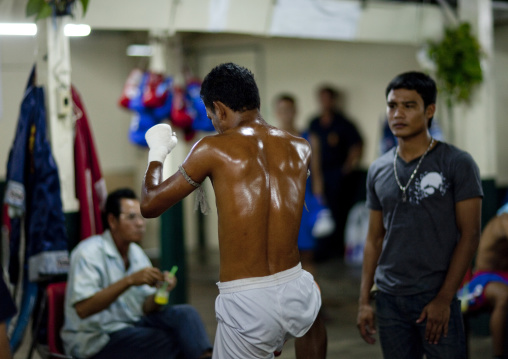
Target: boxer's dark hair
<point>233,85</point>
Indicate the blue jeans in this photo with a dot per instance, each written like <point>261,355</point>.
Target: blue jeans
<point>401,337</point>
<point>176,332</point>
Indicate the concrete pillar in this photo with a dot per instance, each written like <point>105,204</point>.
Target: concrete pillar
<point>166,58</point>
<point>54,74</point>
<point>476,123</point>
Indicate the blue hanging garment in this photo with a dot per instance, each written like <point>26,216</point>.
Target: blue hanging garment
<point>33,195</point>
<point>140,123</point>
<point>145,117</point>
<point>37,236</point>
<point>201,121</point>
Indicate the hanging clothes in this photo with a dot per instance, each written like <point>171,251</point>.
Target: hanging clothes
<point>37,232</point>
<point>33,195</point>
<point>90,185</point>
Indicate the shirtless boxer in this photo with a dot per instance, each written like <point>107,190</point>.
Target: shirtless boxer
<point>258,174</point>
<point>491,274</point>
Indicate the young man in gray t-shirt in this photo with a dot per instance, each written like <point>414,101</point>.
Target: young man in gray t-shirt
<point>425,207</point>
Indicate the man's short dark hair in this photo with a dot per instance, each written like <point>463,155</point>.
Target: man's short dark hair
<point>285,97</point>
<point>233,85</point>
<point>113,203</point>
<point>331,91</point>
<point>422,83</point>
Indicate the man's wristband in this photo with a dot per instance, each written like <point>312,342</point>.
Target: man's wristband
<point>157,154</point>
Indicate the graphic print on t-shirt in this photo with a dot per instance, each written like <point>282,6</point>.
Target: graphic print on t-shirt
<point>428,184</point>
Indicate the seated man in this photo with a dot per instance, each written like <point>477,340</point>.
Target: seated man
<point>489,285</point>
<point>7,310</point>
<point>109,304</point>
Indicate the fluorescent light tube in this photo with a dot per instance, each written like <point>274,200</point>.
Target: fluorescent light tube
<point>77,30</point>
<point>19,29</point>
<point>139,50</point>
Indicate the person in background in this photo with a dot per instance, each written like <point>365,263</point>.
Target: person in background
<point>425,201</point>
<point>314,223</point>
<point>7,310</point>
<point>489,284</point>
<point>110,311</point>
<point>337,149</point>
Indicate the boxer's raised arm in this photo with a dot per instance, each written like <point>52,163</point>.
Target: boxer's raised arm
<point>158,195</point>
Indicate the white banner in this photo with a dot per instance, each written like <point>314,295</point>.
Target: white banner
<point>218,15</point>
<point>320,19</point>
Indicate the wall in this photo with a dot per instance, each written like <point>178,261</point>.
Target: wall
<point>501,101</point>
<point>360,70</point>
<point>100,68</point>
<point>16,60</point>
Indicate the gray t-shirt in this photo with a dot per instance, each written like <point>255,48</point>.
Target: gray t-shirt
<point>421,233</point>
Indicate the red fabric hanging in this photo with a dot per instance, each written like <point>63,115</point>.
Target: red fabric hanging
<point>90,186</point>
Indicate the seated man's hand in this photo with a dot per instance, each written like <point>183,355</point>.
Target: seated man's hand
<point>170,279</point>
<point>147,275</point>
<point>161,140</point>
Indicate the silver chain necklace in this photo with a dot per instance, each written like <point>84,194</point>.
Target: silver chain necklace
<point>404,188</point>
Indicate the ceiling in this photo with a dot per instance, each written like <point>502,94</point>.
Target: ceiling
<point>499,7</point>
<point>16,8</point>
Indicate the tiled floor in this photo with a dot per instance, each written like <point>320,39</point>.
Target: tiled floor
<point>339,285</point>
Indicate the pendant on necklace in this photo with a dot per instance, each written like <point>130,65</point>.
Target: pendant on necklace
<point>403,189</point>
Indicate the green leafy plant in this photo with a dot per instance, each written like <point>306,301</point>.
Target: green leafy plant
<point>457,57</point>
<point>458,69</point>
<point>45,8</point>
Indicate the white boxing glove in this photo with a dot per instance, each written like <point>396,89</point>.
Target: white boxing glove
<point>161,140</point>
<point>324,225</point>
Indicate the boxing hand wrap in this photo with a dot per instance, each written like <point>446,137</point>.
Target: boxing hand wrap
<point>161,140</point>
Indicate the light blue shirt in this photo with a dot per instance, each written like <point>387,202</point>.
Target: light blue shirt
<point>95,265</point>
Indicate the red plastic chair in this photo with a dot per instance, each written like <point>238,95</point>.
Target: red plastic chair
<point>55,293</point>
<point>52,303</point>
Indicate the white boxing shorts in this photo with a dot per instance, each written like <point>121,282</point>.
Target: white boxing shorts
<point>257,315</point>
